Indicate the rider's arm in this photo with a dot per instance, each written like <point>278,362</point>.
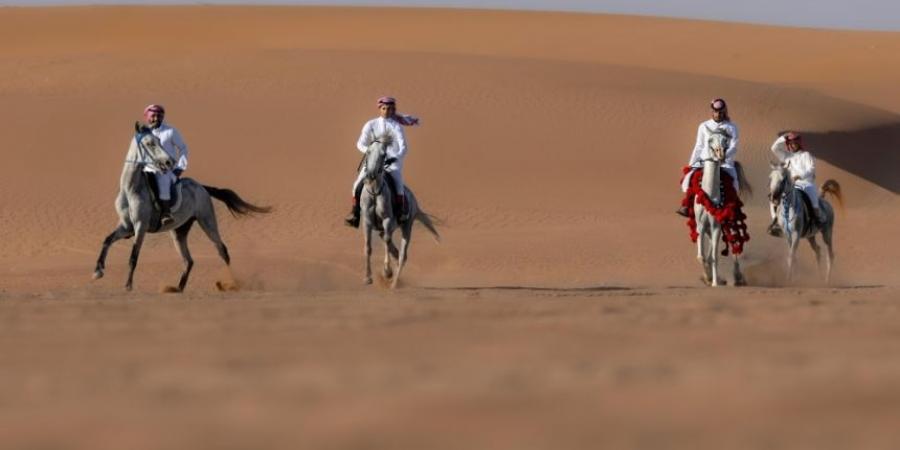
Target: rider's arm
<point>732,149</point>
<point>696,155</point>
<point>182,148</point>
<point>364,137</point>
<point>806,170</point>
<point>779,148</point>
<point>401,143</point>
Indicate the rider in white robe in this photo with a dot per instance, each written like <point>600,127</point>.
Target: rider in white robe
<point>719,121</point>
<point>392,123</point>
<point>174,145</point>
<point>802,169</point>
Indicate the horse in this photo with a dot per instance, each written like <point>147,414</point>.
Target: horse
<point>138,215</point>
<point>708,228</point>
<point>795,218</point>
<point>377,210</point>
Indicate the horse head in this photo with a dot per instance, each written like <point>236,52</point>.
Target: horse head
<point>375,156</point>
<point>148,148</point>
<point>778,178</point>
<point>719,141</point>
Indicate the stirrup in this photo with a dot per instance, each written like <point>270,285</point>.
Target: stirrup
<point>166,219</point>
<point>683,211</point>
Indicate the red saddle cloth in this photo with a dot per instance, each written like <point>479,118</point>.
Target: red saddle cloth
<point>728,214</point>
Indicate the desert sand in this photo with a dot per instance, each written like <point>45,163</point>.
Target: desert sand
<point>562,308</point>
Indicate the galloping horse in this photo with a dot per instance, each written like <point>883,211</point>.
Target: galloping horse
<point>708,228</point>
<point>377,212</point>
<point>795,218</point>
<point>138,216</point>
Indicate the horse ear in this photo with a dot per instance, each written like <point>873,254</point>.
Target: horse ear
<point>137,127</point>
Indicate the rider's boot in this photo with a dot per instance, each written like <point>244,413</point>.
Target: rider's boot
<point>403,216</point>
<point>352,219</point>
<point>774,229</point>
<point>684,210</point>
<point>165,212</point>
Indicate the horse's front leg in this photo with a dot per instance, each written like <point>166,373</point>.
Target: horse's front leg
<point>701,248</point>
<point>406,234</point>
<point>388,225</point>
<point>793,243</point>
<point>121,232</point>
<point>139,232</point>
<point>715,236</point>
<point>367,237</point>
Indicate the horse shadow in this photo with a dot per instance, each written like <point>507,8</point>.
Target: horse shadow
<point>870,153</point>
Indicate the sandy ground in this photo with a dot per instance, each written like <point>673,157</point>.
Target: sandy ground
<point>562,308</point>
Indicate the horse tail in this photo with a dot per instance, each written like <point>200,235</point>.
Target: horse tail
<point>743,183</point>
<point>236,205</point>
<point>833,188</point>
<point>428,220</point>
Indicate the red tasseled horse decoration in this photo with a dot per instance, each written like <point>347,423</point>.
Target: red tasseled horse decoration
<point>728,214</point>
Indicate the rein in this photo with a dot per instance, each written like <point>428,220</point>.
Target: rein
<point>142,152</point>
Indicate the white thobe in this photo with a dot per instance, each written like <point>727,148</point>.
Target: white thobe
<point>702,151</point>
<point>174,145</point>
<point>801,166</point>
<point>397,150</point>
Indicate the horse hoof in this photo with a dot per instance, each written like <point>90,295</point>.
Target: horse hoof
<point>740,282</point>
<point>171,290</point>
<point>387,274</point>
<point>367,280</point>
<point>98,275</point>
<point>128,288</point>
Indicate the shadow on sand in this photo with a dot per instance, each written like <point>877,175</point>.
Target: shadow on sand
<point>870,153</point>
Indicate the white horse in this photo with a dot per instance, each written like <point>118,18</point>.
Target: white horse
<point>709,230</point>
<point>377,210</point>
<point>795,219</point>
<point>138,216</point>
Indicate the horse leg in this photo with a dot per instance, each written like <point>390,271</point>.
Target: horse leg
<point>180,235</point>
<point>738,275</point>
<point>829,257</point>
<point>793,242</point>
<point>815,247</point>
<point>388,237</point>
<point>121,232</point>
<point>209,226</point>
<point>714,238</point>
<point>406,234</point>
<point>139,233</point>
<point>701,254</point>
<point>367,235</point>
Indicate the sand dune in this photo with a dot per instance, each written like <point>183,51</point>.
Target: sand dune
<point>551,149</point>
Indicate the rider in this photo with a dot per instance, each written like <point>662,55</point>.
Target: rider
<point>801,166</point>
<point>174,145</point>
<point>719,120</point>
<point>387,122</point>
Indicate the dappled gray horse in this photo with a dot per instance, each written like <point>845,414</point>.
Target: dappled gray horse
<point>138,214</point>
<point>377,212</point>
<point>708,228</point>
<point>796,220</point>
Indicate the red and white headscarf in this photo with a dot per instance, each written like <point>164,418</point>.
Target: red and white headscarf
<point>402,119</point>
<point>720,105</point>
<point>154,108</point>
<point>795,138</point>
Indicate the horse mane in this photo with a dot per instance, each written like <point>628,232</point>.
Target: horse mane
<point>386,139</point>
<point>743,183</point>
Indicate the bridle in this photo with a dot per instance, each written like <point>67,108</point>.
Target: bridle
<point>143,153</point>
<point>380,179</point>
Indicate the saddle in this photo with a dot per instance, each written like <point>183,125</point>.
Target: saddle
<point>155,221</point>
